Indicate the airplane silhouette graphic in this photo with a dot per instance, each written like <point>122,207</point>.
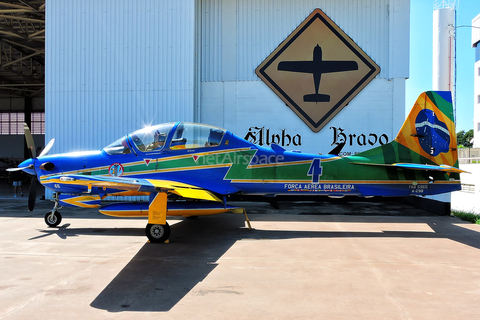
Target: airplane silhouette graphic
<point>317,67</point>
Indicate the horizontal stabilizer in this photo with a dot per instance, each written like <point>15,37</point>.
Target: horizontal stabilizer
<point>416,166</point>
<point>316,97</point>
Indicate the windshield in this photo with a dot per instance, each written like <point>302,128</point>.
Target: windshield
<point>194,135</point>
<point>118,147</point>
<point>151,138</point>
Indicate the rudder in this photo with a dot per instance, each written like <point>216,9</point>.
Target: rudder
<point>429,129</point>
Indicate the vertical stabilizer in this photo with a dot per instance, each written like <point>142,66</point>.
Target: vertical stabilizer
<point>429,129</point>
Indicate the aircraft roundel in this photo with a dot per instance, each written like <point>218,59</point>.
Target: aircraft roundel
<point>115,170</point>
<point>434,137</point>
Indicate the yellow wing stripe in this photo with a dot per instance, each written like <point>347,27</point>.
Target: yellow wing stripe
<point>185,190</point>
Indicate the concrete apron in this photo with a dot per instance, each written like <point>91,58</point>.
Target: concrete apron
<point>305,261</point>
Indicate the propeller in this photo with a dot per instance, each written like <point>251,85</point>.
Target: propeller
<point>20,168</point>
<point>32,193</point>
<point>47,148</point>
<point>30,142</point>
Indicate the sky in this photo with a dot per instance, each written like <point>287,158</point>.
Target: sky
<point>421,37</point>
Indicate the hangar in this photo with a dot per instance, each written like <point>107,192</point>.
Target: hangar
<point>22,74</point>
<point>112,67</point>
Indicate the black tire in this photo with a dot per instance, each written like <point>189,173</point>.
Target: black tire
<point>53,221</point>
<point>157,233</point>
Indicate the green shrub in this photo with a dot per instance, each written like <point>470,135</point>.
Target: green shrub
<point>466,216</point>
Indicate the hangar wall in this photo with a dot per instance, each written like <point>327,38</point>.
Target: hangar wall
<point>114,66</point>
<point>238,35</point>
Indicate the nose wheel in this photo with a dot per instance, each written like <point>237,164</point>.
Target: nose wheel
<point>157,233</point>
<point>53,218</point>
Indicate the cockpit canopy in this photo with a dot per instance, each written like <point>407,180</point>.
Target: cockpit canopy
<point>151,138</point>
<point>155,138</point>
<point>194,135</point>
<point>118,147</point>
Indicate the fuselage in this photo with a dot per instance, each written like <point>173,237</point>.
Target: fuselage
<point>217,160</point>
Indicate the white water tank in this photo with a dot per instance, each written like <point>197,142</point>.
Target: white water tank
<point>443,77</point>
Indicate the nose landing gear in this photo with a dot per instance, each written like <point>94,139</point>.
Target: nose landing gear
<point>54,218</point>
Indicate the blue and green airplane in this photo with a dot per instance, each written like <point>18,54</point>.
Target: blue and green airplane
<point>190,169</point>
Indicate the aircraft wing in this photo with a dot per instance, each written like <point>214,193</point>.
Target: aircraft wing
<point>338,66</point>
<point>134,184</point>
<point>310,67</point>
<point>297,66</point>
<point>416,166</point>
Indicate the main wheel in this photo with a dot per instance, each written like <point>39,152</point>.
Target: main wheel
<point>53,221</point>
<point>157,233</point>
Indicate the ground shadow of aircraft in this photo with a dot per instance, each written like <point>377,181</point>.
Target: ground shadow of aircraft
<point>317,67</point>
<point>156,279</point>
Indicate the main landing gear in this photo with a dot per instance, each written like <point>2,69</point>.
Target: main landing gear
<point>157,233</point>
<point>54,218</point>
<point>157,229</point>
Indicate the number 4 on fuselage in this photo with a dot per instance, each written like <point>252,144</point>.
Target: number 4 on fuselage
<point>315,170</point>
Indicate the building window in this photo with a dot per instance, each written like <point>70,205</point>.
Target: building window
<point>478,99</point>
<point>478,72</point>
<point>12,123</point>
<point>38,123</point>
<point>478,127</point>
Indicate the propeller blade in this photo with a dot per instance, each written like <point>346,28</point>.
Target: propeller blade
<point>20,168</point>
<point>30,142</point>
<point>47,148</point>
<point>32,193</point>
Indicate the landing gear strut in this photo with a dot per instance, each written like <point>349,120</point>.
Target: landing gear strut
<point>54,218</point>
<point>157,233</point>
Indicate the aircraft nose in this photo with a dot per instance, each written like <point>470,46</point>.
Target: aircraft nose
<point>27,166</point>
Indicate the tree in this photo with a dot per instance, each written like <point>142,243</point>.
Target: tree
<point>464,138</point>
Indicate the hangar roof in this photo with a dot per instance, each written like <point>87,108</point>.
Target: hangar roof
<point>22,48</point>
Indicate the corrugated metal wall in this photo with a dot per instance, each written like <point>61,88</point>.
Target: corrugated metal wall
<point>259,26</point>
<point>113,66</point>
<point>237,35</point>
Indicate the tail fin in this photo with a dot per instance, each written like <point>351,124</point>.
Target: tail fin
<point>426,141</point>
<point>429,130</point>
